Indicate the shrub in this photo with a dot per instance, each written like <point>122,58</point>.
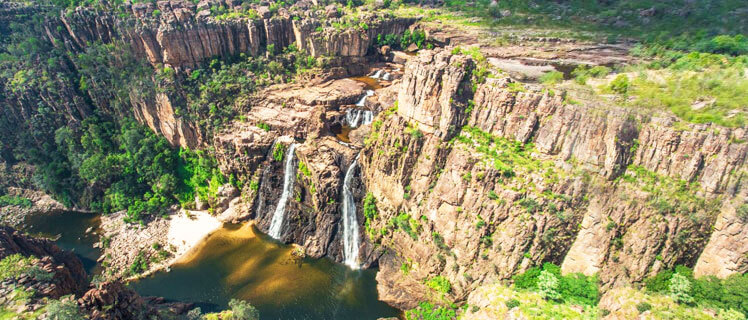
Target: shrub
<point>580,289</point>
<point>742,212</point>
<point>279,152</point>
<point>14,265</point>
<point>643,307</point>
<point>7,200</point>
<point>659,283</point>
<point>512,303</point>
<point>440,284</point>
<point>620,84</point>
<point>680,289</point>
<point>552,77</point>
<point>527,279</point>
<point>243,310</point>
<point>139,265</point>
<point>428,311</point>
<point>548,286</point>
<point>63,309</point>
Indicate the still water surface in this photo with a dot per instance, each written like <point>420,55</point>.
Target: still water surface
<point>69,230</point>
<point>239,262</point>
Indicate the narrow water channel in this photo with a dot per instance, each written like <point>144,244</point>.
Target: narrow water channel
<point>239,262</point>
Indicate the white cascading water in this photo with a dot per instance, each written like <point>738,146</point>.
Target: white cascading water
<point>362,102</point>
<point>351,240</point>
<point>381,75</point>
<point>358,117</point>
<point>289,176</point>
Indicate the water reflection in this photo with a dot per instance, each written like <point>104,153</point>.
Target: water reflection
<point>68,229</point>
<point>239,262</point>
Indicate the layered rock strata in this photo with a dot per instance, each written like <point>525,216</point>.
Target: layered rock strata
<point>478,186</point>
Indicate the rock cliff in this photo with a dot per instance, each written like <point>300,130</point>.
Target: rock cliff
<point>479,185</point>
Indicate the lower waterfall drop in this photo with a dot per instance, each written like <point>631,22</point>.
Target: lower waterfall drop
<point>289,176</point>
<point>351,240</point>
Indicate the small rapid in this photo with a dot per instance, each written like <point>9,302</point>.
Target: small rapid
<point>289,175</point>
<point>362,101</point>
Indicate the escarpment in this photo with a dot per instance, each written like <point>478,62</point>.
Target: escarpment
<point>181,36</point>
<point>184,34</point>
<point>478,186</point>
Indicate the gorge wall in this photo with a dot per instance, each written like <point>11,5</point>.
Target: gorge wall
<point>474,182</point>
<point>183,36</point>
<point>478,186</point>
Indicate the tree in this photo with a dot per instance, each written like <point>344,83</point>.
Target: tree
<point>680,289</point>
<point>243,310</point>
<point>548,286</point>
<point>63,309</point>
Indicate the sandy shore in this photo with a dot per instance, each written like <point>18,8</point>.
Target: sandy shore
<point>162,242</point>
<point>189,228</point>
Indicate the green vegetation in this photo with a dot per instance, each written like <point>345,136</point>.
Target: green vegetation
<point>304,169</point>
<point>139,265</point>
<point>429,311</point>
<point>584,72</point>
<point>552,77</point>
<point>404,222</point>
<point>370,213</point>
<point>402,41</point>
<point>730,293</point>
<point>573,288</point>
<point>63,309</point>
<point>279,152</point>
<point>439,284</point>
<point>7,200</point>
<point>14,266</point>
<point>668,195</point>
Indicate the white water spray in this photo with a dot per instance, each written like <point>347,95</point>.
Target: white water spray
<point>289,176</point>
<point>351,240</point>
<point>362,102</point>
<point>358,117</point>
<point>381,75</point>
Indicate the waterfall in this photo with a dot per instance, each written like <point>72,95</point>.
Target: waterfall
<point>362,102</point>
<point>288,180</point>
<point>358,117</point>
<point>351,240</point>
<point>381,75</point>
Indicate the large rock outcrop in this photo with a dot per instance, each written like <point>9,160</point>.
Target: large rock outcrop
<point>523,178</point>
<point>182,34</point>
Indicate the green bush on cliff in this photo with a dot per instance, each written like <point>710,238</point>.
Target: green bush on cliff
<point>573,288</point>
<point>439,284</point>
<point>279,152</point>
<point>428,311</point>
<point>63,309</point>
<point>8,200</point>
<point>370,212</point>
<point>708,291</point>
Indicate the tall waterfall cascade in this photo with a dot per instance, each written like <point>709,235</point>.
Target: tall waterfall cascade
<point>289,175</point>
<point>351,241</point>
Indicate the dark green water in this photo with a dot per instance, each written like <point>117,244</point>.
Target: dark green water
<point>239,262</point>
<point>69,230</point>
